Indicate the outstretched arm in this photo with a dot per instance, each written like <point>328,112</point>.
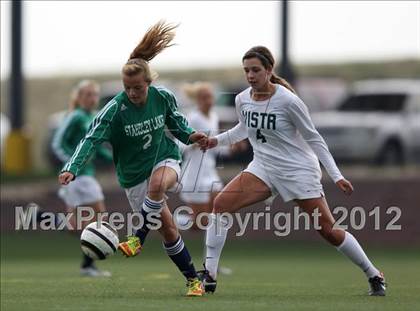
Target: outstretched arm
<point>232,136</point>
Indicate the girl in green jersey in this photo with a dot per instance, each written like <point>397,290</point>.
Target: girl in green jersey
<point>85,191</point>
<point>146,159</point>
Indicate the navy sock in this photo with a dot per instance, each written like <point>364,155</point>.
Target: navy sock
<point>149,205</point>
<point>87,261</point>
<point>179,254</point>
<point>142,234</point>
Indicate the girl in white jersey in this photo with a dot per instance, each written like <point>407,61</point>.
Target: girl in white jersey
<point>287,150</point>
<point>200,181</point>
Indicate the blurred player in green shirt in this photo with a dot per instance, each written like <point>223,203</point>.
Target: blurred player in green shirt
<point>85,191</point>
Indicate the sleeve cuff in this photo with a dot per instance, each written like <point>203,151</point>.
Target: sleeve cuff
<point>337,178</point>
<point>223,139</point>
<point>190,132</point>
<point>70,171</point>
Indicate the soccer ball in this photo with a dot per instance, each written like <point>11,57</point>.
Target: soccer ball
<point>99,240</point>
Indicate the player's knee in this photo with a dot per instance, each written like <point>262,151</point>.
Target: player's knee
<point>156,188</point>
<point>333,236</point>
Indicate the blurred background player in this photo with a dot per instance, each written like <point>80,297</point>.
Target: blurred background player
<point>147,160</point>
<point>287,150</point>
<point>200,180</point>
<point>85,190</point>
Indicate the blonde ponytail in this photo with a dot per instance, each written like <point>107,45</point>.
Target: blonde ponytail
<point>157,38</point>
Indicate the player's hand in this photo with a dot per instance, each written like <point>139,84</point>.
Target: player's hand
<point>211,143</point>
<point>199,138</point>
<point>65,178</point>
<point>345,186</point>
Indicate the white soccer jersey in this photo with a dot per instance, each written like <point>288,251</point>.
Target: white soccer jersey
<point>282,135</point>
<point>209,125</point>
<point>198,168</point>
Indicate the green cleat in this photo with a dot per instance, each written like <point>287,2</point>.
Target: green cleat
<point>195,288</point>
<point>131,247</point>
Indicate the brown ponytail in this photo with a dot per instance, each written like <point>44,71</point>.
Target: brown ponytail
<point>279,80</point>
<point>157,38</point>
<point>267,60</point>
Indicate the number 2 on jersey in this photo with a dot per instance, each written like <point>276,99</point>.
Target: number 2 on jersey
<point>261,136</point>
<point>148,139</point>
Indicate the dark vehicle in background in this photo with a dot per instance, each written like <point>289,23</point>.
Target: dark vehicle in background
<point>377,121</point>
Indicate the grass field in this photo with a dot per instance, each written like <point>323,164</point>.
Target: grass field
<point>40,272</point>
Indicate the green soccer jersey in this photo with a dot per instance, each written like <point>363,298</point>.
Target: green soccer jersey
<point>70,133</point>
<point>137,135</point>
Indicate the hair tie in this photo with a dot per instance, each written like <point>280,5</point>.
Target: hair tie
<point>264,57</point>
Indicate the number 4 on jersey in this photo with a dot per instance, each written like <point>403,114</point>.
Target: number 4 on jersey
<point>261,136</point>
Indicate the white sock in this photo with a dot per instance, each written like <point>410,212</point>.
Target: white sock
<point>352,249</point>
<point>150,205</point>
<point>215,240</point>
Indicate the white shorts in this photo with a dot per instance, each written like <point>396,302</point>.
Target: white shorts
<point>288,187</point>
<point>198,190</point>
<point>84,190</point>
<point>137,194</point>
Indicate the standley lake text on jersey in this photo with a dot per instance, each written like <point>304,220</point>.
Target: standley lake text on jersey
<point>144,127</point>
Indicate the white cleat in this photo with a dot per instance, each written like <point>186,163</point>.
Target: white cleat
<point>94,272</point>
<point>224,271</point>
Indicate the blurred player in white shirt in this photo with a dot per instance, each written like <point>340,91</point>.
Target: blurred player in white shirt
<point>200,180</point>
<point>287,151</point>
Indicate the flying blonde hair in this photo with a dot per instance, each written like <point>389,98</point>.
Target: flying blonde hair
<point>156,39</point>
